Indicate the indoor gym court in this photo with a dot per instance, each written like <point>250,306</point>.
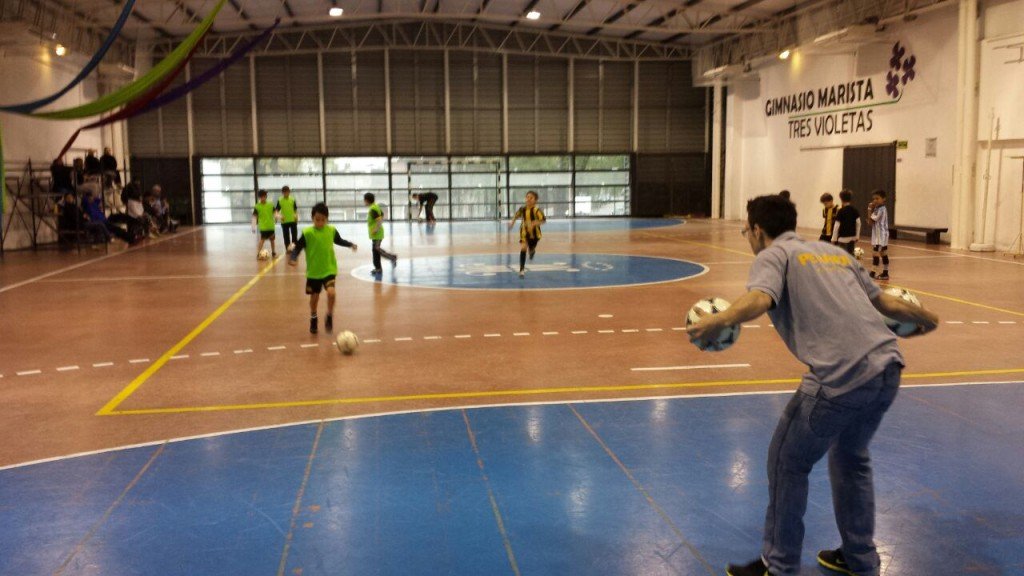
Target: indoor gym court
<point>550,429</point>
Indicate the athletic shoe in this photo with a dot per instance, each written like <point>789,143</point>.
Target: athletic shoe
<point>312,325</point>
<point>273,254</point>
<point>532,252</point>
<point>883,276</point>
<point>755,568</point>
<point>376,271</point>
<point>522,273</point>
<point>834,561</point>
<point>872,274</point>
<point>329,322</point>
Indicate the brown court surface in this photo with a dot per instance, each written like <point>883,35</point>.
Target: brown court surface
<point>86,341</point>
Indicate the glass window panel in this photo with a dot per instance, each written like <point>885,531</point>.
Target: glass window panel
<point>289,166</point>
<point>273,184</point>
<point>540,179</point>
<point>477,164</point>
<point>227,166</point>
<point>618,162</point>
<point>358,182</point>
<point>539,163</point>
<point>358,165</point>
<point>602,209</point>
<point>601,178</point>
<point>610,193</point>
<point>228,183</point>
<point>484,180</point>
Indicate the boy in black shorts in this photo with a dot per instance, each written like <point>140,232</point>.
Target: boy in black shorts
<point>321,264</point>
<point>529,230</point>
<point>828,213</point>
<point>846,233</point>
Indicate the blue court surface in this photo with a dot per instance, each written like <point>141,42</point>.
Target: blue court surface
<point>662,486</point>
<point>500,271</point>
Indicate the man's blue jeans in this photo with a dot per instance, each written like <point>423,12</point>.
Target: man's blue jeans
<point>843,427</point>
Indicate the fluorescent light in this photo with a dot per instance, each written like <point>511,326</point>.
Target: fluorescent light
<point>533,15</point>
<point>784,55</point>
<point>336,12</point>
<point>60,50</point>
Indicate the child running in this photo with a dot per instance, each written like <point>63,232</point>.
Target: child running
<point>289,212</point>
<point>375,224</point>
<point>879,234</point>
<point>529,230</point>
<point>263,218</point>
<point>321,264</point>
<point>846,234</point>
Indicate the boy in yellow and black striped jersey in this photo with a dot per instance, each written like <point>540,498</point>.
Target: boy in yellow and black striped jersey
<point>828,213</point>
<point>529,230</point>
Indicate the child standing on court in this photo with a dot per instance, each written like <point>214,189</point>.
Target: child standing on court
<point>828,213</point>
<point>263,218</point>
<point>321,264</point>
<point>375,224</point>
<point>529,230</point>
<point>847,232</point>
<point>289,212</point>
<point>879,234</point>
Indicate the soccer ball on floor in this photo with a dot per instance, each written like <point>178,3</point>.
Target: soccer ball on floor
<point>263,254</point>
<point>858,252</point>
<point>347,342</point>
<point>902,329</point>
<point>726,338</point>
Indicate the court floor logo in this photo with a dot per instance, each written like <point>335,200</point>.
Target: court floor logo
<point>546,272</point>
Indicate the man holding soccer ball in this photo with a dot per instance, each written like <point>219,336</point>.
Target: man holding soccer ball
<point>807,288</point>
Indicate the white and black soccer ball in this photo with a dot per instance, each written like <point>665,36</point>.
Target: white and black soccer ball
<point>347,342</point>
<point>902,329</point>
<point>263,254</point>
<point>858,252</point>
<point>713,305</point>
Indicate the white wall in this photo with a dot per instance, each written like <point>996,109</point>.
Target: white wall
<point>766,159</point>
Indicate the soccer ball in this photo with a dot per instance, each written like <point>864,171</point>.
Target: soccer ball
<point>726,338</point>
<point>902,329</point>
<point>347,342</point>
<point>263,255</point>
<point>858,252</point>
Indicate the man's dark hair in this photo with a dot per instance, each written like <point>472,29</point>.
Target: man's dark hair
<point>320,208</point>
<point>846,195</point>
<point>784,194</point>
<point>261,193</point>
<point>369,197</point>
<point>826,197</point>
<point>879,192</point>
<point>774,214</point>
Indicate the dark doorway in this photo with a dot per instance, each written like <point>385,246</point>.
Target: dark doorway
<point>671,184</point>
<point>173,177</point>
<point>868,168</point>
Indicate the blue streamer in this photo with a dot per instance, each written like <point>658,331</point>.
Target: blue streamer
<point>29,107</point>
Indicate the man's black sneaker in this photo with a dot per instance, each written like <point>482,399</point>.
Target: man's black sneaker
<point>312,325</point>
<point>834,561</point>
<point>329,323</point>
<point>883,276</point>
<point>755,568</point>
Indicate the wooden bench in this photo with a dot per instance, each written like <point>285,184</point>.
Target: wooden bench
<point>931,235</point>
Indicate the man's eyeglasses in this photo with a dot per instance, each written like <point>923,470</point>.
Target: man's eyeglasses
<point>745,231</point>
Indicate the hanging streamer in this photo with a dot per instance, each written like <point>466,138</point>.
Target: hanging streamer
<point>139,87</point>
<point>28,107</point>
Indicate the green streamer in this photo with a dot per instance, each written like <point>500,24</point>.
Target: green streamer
<point>138,87</point>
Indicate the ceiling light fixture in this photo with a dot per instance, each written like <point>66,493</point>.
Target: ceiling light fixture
<point>533,15</point>
<point>784,55</point>
<point>60,50</point>
<point>336,12</point>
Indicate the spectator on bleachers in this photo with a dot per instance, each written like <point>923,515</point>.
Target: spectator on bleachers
<point>161,210</point>
<point>78,171</point>
<point>71,222</point>
<point>108,163</point>
<point>134,217</point>
<point>94,212</point>
<point>93,167</point>
<point>60,178</point>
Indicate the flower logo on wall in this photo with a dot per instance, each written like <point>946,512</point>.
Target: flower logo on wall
<point>901,70</point>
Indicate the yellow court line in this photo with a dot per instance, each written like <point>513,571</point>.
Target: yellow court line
<point>534,392</point>
<point>156,366</point>
<point>960,301</point>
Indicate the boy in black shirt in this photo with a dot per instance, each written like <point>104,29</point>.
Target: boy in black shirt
<point>848,231</point>
<point>829,214</point>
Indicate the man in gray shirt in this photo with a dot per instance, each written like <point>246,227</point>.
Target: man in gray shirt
<point>807,289</point>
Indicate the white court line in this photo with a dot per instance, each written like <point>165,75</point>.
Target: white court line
<point>404,339</point>
<point>630,331</point>
<point>102,364</point>
<point>460,336</point>
<point>431,337</point>
<point>28,372</point>
<point>901,245</point>
<point>679,328</point>
<point>245,351</point>
<point>520,333</point>
<point>1007,322</point>
<point>751,325</point>
<point>654,330</point>
<point>67,368</point>
<point>698,367</point>
<point>550,333</point>
<point>606,331</point>
<point>371,341</point>
<point>179,357</point>
<point>953,322</point>
<point>492,335</point>
<point>94,260</point>
<point>314,345</point>
<point>275,348</point>
<point>579,331</point>
<point>210,354</point>
<point>138,360</point>
<point>979,322</point>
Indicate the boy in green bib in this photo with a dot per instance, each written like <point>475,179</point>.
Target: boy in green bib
<point>321,265</point>
<point>375,224</point>
<point>289,213</point>
<point>263,218</point>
